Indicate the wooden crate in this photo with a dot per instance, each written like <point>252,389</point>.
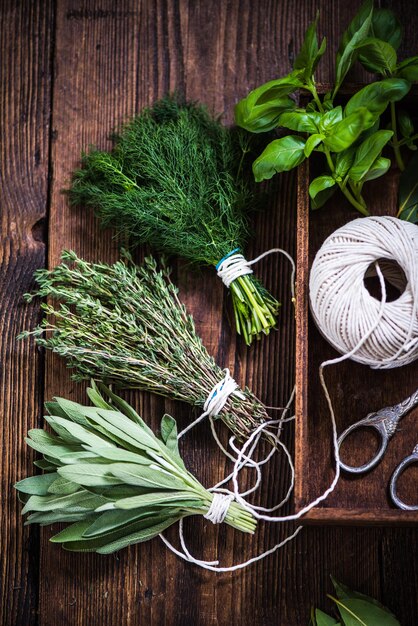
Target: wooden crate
<point>355,389</point>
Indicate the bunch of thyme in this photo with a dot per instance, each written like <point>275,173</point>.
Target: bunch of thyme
<point>112,478</point>
<point>125,324</point>
<point>174,179</point>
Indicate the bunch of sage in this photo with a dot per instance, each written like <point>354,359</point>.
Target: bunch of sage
<point>111,478</point>
<point>125,324</point>
<point>174,179</point>
<point>350,137</point>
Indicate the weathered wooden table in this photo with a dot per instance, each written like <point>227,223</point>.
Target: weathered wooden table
<point>71,71</point>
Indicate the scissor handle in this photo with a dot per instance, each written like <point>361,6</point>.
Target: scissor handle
<point>409,460</point>
<point>366,423</point>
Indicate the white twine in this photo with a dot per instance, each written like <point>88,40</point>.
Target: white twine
<point>219,508</point>
<point>347,255</point>
<point>343,308</point>
<point>231,267</point>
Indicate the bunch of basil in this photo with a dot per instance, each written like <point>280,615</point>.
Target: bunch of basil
<point>354,609</point>
<point>350,137</point>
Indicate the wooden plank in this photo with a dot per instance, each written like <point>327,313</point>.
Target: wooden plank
<point>25,53</point>
<point>109,62</point>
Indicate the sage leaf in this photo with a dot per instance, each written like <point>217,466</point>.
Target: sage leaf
<point>376,96</point>
<point>367,153</point>
<point>138,537</point>
<point>319,184</point>
<point>357,31</point>
<point>408,69</point>
<point>159,497</point>
<point>345,133</point>
<point>62,486</point>
<point>36,485</point>
<point>281,155</point>
<point>142,476</point>
<point>408,192</point>
<point>94,475</point>
<point>377,56</point>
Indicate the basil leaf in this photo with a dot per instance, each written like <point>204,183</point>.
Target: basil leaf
<point>330,118</point>
<point>405,123</point>
<point>322,197</point>
<point>386,26</point>
<point>408,192</point>
<point>280,155</point>
<point>378,168</point>
<point>408,69</point>
<point>368,152</point>
<point>346,132</point>
<point>260,110</point>
<point>319,184</point>
<point>377,96</point>
<point>312,142</point>
<point>344,161</point>
<point>300,120</point>
<point>322,619</point>
<point>356,32</point>
<point>377,56</point>
<point>310,55</point>
<point>359,612</point>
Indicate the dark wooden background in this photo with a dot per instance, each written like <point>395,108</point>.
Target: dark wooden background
<point>70,72</point>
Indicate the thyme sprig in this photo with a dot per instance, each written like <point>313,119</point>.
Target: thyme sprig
<point>125,324</point>
<point>108,475</point>
<point>174,179</point>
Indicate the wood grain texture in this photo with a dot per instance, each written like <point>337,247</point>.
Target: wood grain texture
<point>111,59</point>
<point>25,53</point>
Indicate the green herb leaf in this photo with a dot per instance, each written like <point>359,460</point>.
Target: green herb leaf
<point>386,26</point>
<point>405,123</point>
<point>377,96</point>
<point>259,112</point>
<point>330,119</point>
<point>36,485</point>
<point>310,55</point>
<point>357,31</point>
<point>322,197</point>
<point>300,120</point>
<point>359,612</point>
<point>312,142</point>
<point>322,619</point>
<point>344,161</point>
<point>408,192</point>
<point>280,155</point>
<point>367,153</point>
<point>408,69</point>
<point>377,56</point>
<point>377,169</point>
<point>319,184</point>
<point>346,132</point>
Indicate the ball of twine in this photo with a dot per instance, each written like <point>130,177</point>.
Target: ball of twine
<point>380,333</point>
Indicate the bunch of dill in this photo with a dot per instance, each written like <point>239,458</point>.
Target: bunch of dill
<point>174,179</point>
<point>125,324</point>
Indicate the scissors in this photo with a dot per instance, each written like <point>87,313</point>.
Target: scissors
<point>385,422</point>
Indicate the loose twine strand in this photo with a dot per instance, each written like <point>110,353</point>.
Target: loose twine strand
<point>347,255</point>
